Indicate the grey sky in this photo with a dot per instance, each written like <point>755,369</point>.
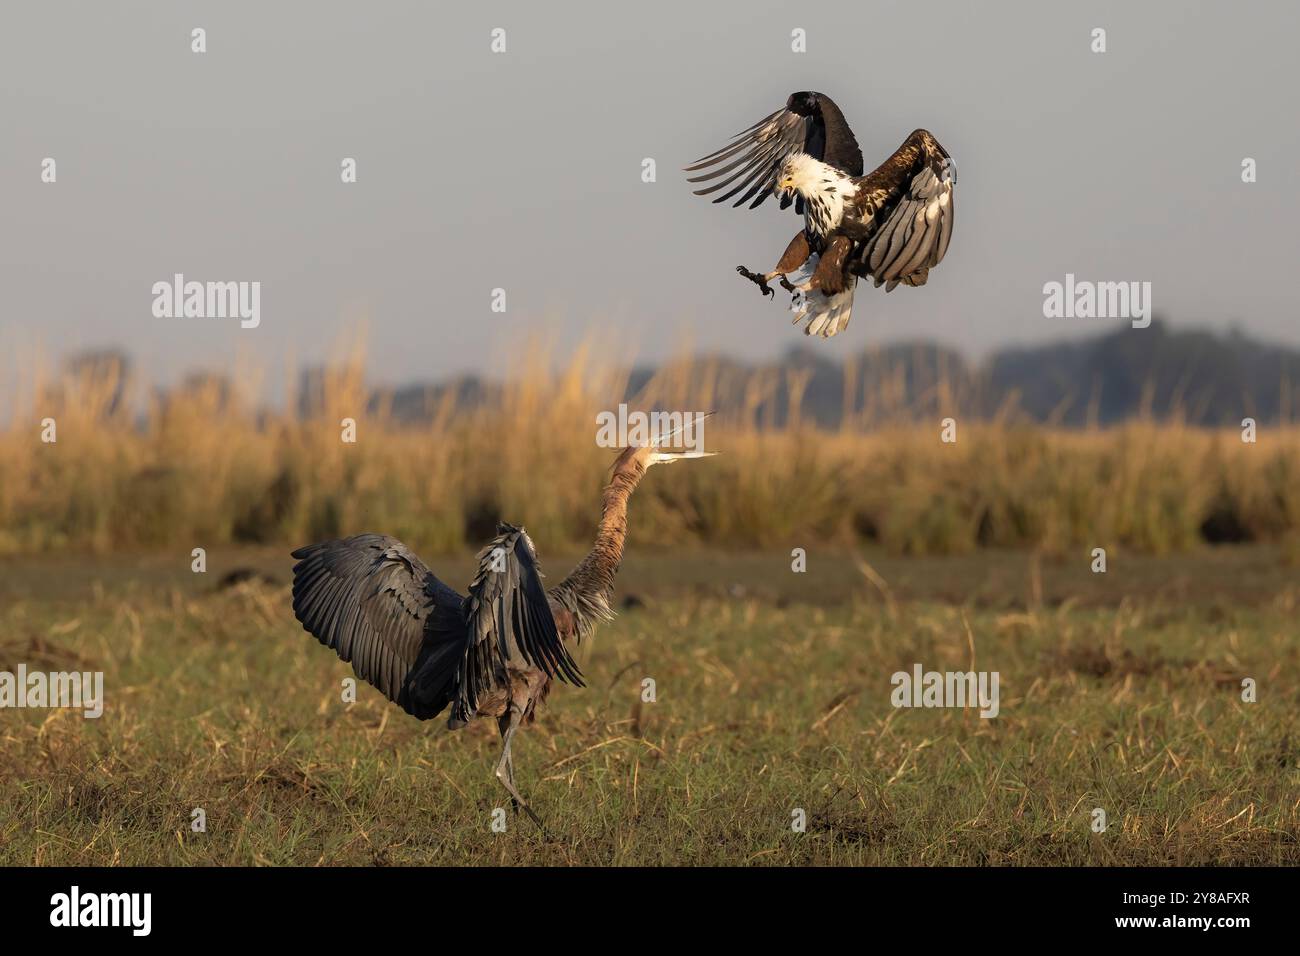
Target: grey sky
<point>522,170</point>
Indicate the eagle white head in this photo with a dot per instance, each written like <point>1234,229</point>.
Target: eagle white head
<point>824,189</point>
<point>805,175</point>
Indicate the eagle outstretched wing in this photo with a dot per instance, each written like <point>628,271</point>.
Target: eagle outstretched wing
<point>810,123</point>
<point>508,618</point>
<point>909,198</point>
<point>373,601</point>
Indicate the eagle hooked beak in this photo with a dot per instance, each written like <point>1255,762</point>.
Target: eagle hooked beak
<point>786,185</point>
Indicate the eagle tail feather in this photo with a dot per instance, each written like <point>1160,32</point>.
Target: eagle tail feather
<point>826,315</point>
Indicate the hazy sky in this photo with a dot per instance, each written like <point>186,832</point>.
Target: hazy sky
<point>523,170</point>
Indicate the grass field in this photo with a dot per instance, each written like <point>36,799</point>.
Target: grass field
<point>1119,691</point>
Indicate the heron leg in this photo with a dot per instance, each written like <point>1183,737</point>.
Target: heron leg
<point>503,723</point>
<point>506,768</point>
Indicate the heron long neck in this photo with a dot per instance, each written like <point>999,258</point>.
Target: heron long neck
<point>589,588</point>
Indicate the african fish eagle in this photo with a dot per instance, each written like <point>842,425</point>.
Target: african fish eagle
<point>892,225</point>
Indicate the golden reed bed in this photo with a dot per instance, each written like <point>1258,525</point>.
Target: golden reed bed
<point>209,465</point>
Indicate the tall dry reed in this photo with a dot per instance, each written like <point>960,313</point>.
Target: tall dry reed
<point>206,464</point>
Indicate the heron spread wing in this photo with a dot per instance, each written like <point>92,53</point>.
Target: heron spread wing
<point>912,196</point>
<point>508,619</point>
<point>810,123</point>
<point>375,603</point>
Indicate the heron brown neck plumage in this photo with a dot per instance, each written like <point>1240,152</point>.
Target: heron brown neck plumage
<point>586,593</point>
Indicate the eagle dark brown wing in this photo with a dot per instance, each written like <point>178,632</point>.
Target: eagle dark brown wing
<point>810,123</point>
<point>372,600</point>
<point>509,621</point>
<point>909,201</point>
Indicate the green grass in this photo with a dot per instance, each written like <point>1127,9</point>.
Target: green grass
<point>1119,691</point>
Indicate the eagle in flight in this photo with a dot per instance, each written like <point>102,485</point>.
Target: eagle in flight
<point>892,225</point>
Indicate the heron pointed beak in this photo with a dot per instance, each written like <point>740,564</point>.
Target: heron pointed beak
<point>667,457</point>
<point>662,439</point>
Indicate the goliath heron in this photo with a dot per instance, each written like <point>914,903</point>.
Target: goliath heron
<point>492,653</point>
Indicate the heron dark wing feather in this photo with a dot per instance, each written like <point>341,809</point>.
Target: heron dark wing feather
<point>541,637</point>
<point>508,620</point>
<point>372,601</point>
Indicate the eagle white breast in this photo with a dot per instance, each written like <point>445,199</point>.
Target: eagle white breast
<point>825,191</point>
